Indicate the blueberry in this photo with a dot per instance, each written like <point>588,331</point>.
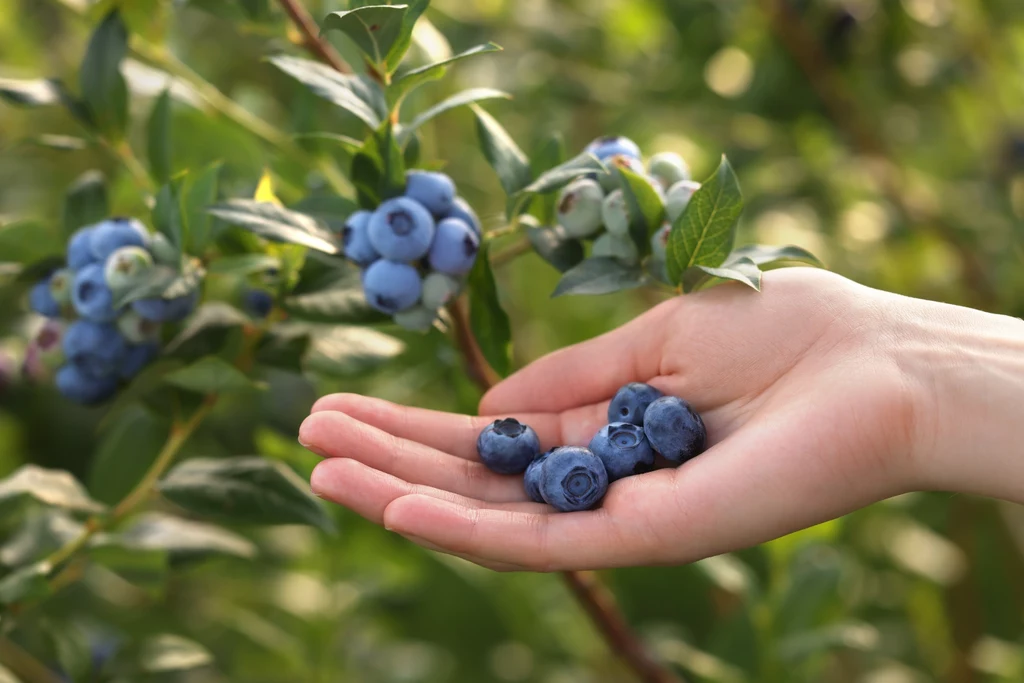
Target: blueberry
<point>614,213</point>
<point>81,388</point>
<point>436,191</point>
<point>80,248</point>
<point>162,310</point>
<point>624,450</point>
<point>579,207</point>
<point>257,302</point>
<point>391,287</point>
<point>611,145</point>
<point>572,479</point>
<point>668,168</point>
<point>616,246</point>
<point>631,401</point>
<point>41,300</point>
<point>438,290</point>
<point>401,229</point>
<point>455,247</point>
<point>112,234</point>
<point>532,477</point>
<point>355,237</point>
<point>461,209</point>
<point>136,329</point>
<point>611,180</point>
<point>61,283</point>
<point>125,267</point>
<point>416,319</point>
<point>45,353</point>
<point>678,198</point>
<point>508,446</point>
<point>675,429</point>
<point>91,295</point>
<point>136,357</point>
<point>96,350</point>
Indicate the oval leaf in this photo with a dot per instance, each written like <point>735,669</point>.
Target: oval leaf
<point>27,583</point>
<point>742,270</point>
<point>158,138</point>
<point>167,652</point>
<point>487,319</point>
<point>342,305</point>
<point>277,223</point>
<point>644,205</point>
<point>501,151</point>
<point>556,178</point>
<point>248,490</point>
<point>102,85</point>
<point>553,246</point>
<point>85,202</point>
<point>764,255</point>
<point>209,375</point>
<point>49,487</point>
<point>404,38</point>
<point>704,233</point>
<point>40,92</point>
<point>343,351</point>
<point>357,95</point>
<point>457,100</point>
<point>413,79</point>
<point>374,29</point>
<point>599,276</point>
<point>183,539</point>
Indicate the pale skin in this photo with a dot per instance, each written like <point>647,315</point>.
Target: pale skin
<point>821,396</point>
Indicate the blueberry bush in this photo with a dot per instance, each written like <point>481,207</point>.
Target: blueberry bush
<point>214,211</point>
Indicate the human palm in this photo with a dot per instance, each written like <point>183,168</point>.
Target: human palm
<point>808,418</point>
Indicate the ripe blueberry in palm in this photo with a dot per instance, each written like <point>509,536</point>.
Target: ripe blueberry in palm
<point>573,479</point>
<point>532,477</point>
<point>507,446</point>
<point>455,247</point>
<point>675,429</point>
<point>401,229</point>
<point>579,207</point>
<point>391,287</point>
<point>631,401</point>
<point>436,191</point>
<point>624,450</point>
<point>355,237</point>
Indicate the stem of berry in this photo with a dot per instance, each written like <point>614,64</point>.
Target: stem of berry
<point>24,665</point>
<point>593,595</point>
<point>311,35</point>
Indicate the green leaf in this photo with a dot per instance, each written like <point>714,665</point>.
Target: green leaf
<point>332,209</point>
<point>40,92</point>
<point>392,175</point>
<point>703,235</point>
<point>241,265</point>
<point>125,452</point>
<point>550,154</point>
<point>552,245</point>
<point>249,490</point>
<point>209,375</point>
<point>145,569</point>
<point>28,243</point>
<point>145,383</point>
<point>460,99</point>
<point>278,223</point>
<point>413,79</point>
<point>345,351</point>
<point>167,652</point>
<point>375,29</point>
<point>209,315</point>
<point>349,145</point>
<point>501,151</point>
<point>404,37</point>
<point>102,85</point>
<point>85,202</point>
<point>644,205</point>
<point>60,143</point>
<point>154,282</point>
<point>366,179</point>
<point>741,270</point>
<point>763,255</point>
<point>487,319</point>
<point>158,138</point>
<point>340,305</point>
<point>555,179</point>
<point>26,584</point>
<point>197,194</point>
<point>56,488</point>
<point>357,95</point>
<point>184,540</point>
<point>42,532</point>
<point>167,216</point>
<point>599,276</point>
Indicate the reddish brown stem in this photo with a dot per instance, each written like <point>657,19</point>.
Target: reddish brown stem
<point>592,594</point>
<point>844,111</point>
<point>311,35</point>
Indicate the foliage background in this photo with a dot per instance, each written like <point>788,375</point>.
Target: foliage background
<point>895,153</point>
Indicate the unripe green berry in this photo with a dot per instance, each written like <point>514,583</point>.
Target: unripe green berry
<point>678,198</point>
<point>616,246</point>
<point>659,242</point>
<point>614,213</point>
<point>125,267</point>
<point>60,286</point>
<point>438,290</point>
<point>579,207</point>
<point>669,168</point>
<point>416,319</point>
<point>136,329</point>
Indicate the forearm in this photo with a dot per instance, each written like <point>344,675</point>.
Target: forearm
<point>969,370</point>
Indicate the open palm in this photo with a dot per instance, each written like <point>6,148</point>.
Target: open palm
<point>808,418</point>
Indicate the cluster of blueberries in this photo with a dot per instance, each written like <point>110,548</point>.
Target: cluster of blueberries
<point>93,345</point>
<point>594,207</point>
<point>643,422</point>
<point>415,249</point>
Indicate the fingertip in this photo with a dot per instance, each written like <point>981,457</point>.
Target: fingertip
<point>320,479</point>
<point>335,402</point>
<point>417,514</point>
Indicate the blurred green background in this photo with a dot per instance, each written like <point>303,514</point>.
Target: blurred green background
<point>886,136</point>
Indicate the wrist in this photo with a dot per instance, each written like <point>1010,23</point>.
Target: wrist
<point>969,370</point>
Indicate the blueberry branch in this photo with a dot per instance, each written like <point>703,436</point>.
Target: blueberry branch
<point>311,36</point>
<point>593,595</point>
<point>24,665</point>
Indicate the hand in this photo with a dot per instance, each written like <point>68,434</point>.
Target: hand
<point>820,397</point>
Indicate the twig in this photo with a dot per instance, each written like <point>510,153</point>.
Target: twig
<point>311,35</point>
<point>24,665</point>
<point>592,594</point>
<point>845,112</point>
